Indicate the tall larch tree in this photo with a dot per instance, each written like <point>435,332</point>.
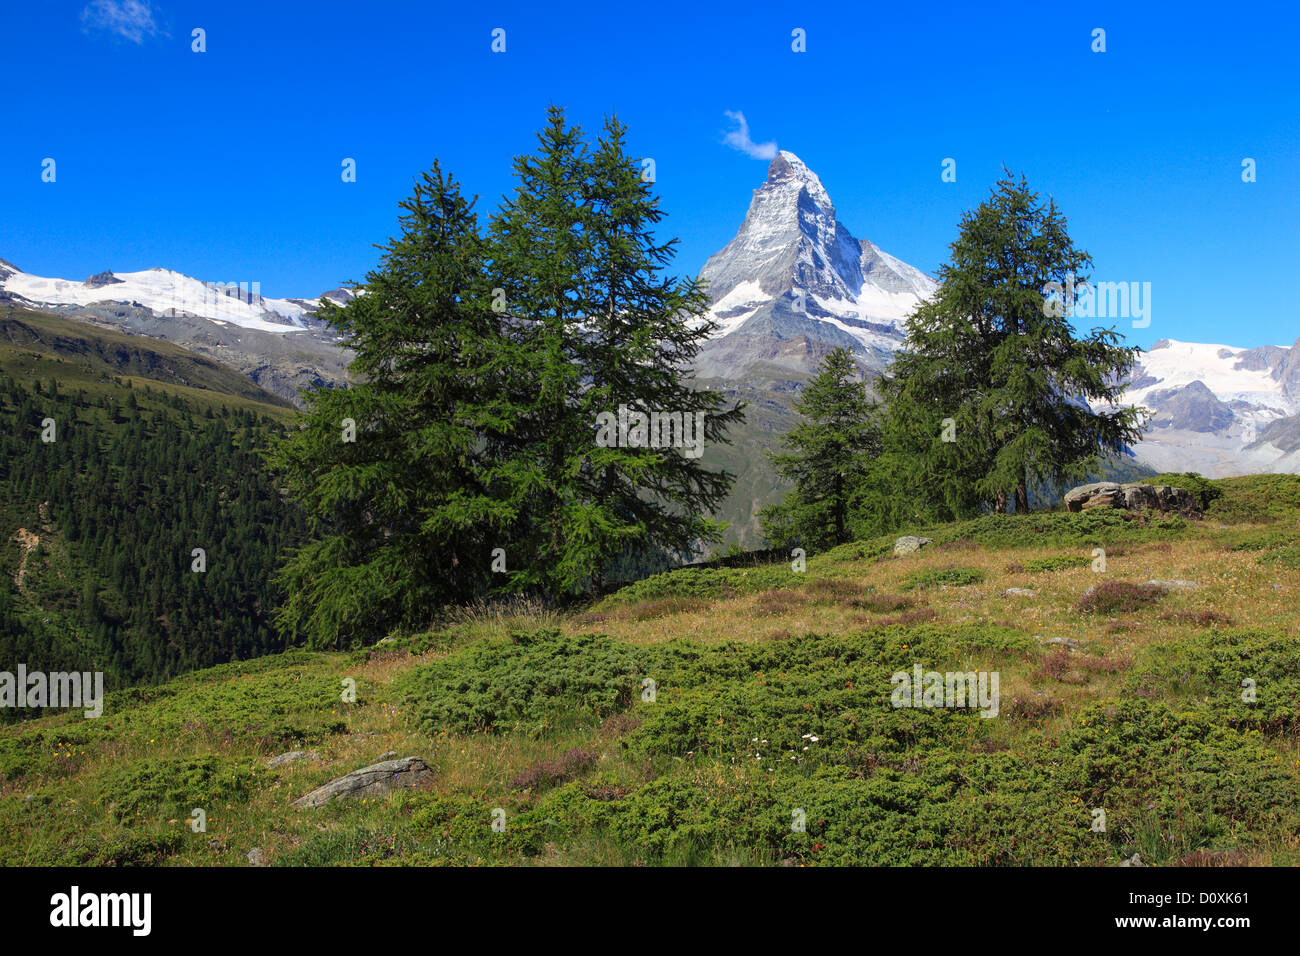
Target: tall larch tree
<point>598,324</point>
<point>831,458</point>
<point>405,504</point>
<point>994,390</point>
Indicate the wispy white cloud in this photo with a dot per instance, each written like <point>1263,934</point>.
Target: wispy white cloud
<point>130,19</point>
<point>739,139</point>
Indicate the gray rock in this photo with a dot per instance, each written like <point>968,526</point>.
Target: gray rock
<point>375,781</point>
<point>1134,860</point>
<point>101,279</point>
<point>293,756</point>
<point>1138,497</point>
<point>1096,494</point>
<point>910,544</point>
<point>256,857</point>
<point>1019,592</point>
<point>1132,497</point>
<point>388,754</point>
<point>1064,641</point>
<point>1175,584</point>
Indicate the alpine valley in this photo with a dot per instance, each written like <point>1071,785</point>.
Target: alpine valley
<point>793,284</point>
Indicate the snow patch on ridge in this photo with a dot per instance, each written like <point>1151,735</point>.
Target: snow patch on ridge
<point>1177,364</point>
<point>165,293</point>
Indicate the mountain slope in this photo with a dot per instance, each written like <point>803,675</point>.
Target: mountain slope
<point>150,459</point>
<point>36,344</point>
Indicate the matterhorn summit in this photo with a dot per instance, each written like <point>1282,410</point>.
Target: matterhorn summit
<point>794,283</point>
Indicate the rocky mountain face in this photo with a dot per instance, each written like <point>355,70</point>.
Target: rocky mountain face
<point>794,284</point>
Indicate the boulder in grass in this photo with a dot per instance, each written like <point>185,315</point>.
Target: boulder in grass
<point>910,544</point>
<point>1099,494</point>
<point>1176,584</point>
<point>293,756</point>
<point>1062,641</point>
<point>1139,497</point>
<point>377,780</point>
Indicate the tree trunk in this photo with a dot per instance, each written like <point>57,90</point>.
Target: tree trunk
<point>1000,505</point>
<point>1022,499</point>
<point>839,510</point>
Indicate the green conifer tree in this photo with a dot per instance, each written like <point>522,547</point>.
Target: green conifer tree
<point>990,394</point>
<point>392,470</point>
<point>596,325</point>
<point>831,459</point>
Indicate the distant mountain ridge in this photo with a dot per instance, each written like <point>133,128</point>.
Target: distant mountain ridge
<point>278,343</point>
<point>166,292</point>
<point>1218,410</point>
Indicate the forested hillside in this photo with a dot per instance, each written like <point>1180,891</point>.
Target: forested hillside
<point>98,526</point>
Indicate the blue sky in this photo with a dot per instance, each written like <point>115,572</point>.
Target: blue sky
<point>226,165</point>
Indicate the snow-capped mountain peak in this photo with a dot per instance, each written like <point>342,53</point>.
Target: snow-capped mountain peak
<point>788,176</point>
<point>793,271</point>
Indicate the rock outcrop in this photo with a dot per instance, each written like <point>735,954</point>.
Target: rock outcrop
<point>293,756</point>
<point>101,279</point>
<point>1133,497</point>
<point>377,780</point>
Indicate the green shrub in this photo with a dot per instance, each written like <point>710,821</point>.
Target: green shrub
<point>526,684</point>
<point>764,703</point>
<point>1160,778</point>
<point>872,549</point>
<point>1256,498</point>
<point>55,751</point>
<point>703,583</point>
<point>1062,562</point>
<point>1266,540</point>
<point>1037,529</point>
<point>1288,557</point>
<point>1209,671</point>
<point>1207,785</point>
<point>149,848</point>
<point>152,789</point>
<point>412,644</point>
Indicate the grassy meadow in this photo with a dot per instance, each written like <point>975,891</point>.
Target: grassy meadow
<point>743,717</point>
